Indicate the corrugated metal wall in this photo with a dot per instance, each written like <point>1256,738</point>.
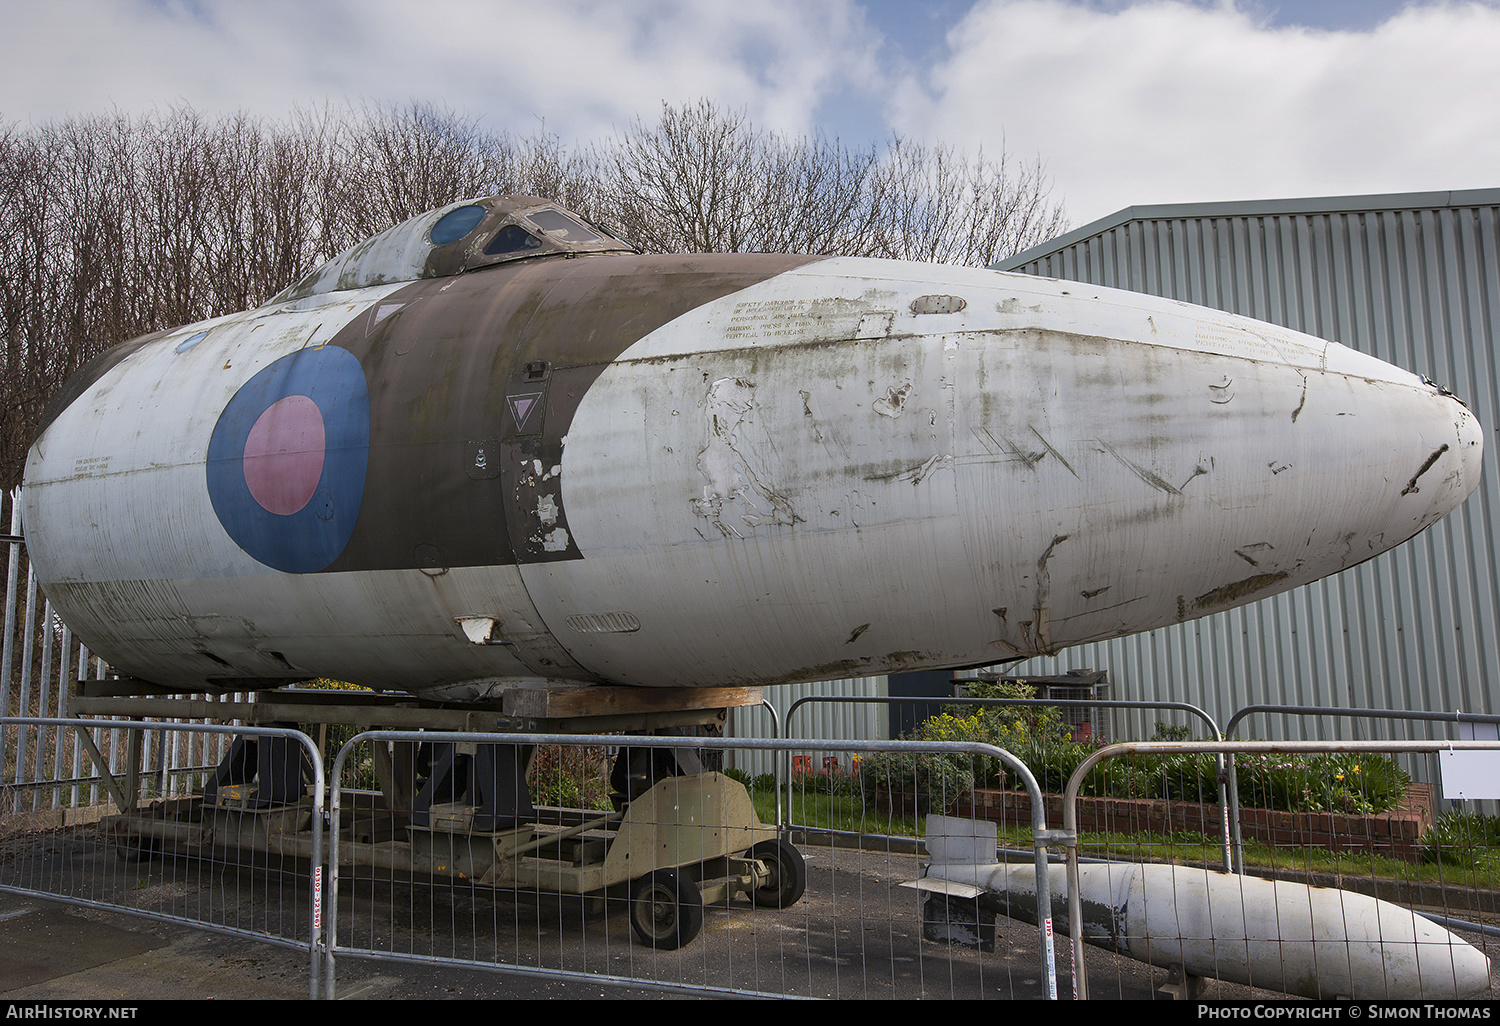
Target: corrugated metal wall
<point>832,720</point>
<point>1412,279</point>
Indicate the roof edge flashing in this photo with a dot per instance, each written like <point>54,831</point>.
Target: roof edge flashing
<point>1255,208</point>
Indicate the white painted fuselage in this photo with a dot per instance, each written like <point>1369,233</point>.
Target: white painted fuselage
<point>810,477</point>
<point>808,480</point>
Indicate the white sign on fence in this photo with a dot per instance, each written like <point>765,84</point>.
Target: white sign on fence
<point>1472,775</point>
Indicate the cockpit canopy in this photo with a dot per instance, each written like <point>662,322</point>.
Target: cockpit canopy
<point>460,237</point>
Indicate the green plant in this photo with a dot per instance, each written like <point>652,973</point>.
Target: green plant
<point>570,777</point>
<point>937,777</point>
<point>1036,721</point>
<point>1171,731</point>
<point>1464,839</point>
<point>359,769</point>
<point>1358,783</point>
<point>762,785</point>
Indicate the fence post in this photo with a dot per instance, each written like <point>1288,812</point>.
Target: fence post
<point>7,643</point>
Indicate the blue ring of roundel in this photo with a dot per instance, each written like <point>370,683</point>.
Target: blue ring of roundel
<point>309,539</point>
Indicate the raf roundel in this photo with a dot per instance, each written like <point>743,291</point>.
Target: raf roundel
<point>287,459</point>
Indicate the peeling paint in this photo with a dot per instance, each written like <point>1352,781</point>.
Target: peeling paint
<point>704,435</point>
<point>937,304</point>
<point>1039,628</point>
<point>1298,411</point>
<point>1232,593</point>
<point>1141,472</point>
<point>1244,552</point>
<point>728,472</point>
<point>1041,564</point>
<point>1411,486</point>
<point>1055,454</point>
<point>1198,471</point>
<point>917,473</point>
<point>546,509</point>
<point>891,404</point>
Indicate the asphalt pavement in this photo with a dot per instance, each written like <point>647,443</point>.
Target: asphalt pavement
<point>855,934</point>
<point>51,951</point>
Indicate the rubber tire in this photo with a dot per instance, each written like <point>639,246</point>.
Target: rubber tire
<point>788,874</point>
<point>666,909</point>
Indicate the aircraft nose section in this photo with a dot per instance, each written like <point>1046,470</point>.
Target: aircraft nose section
<point>1450,470</point>
<point>1378,454</point>
<point>1378,460</point>
<point>1401,434</point>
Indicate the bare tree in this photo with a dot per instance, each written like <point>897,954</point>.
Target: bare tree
<point>392,163</point>
<point>703,179</point>
<point>941,206</point>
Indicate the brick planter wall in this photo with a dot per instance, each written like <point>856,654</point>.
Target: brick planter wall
<point>1395,834</point>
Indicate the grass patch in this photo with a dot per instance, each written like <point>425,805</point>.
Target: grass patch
<point>833,812</point>
<point>1468,862</point>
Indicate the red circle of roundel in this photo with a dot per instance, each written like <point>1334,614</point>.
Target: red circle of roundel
<point>284,455</point>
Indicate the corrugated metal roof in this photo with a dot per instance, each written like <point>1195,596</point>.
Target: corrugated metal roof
<point>1413,279</point>
<point>1257,208</point>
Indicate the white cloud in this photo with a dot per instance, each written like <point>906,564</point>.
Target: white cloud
<point>584,65</point>
<point>1169,102</point>
<point>1127,102</point>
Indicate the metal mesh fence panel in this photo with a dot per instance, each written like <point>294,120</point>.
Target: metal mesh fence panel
<point>1347,891</point>
<point>159,847</point>
<point>649,866</point>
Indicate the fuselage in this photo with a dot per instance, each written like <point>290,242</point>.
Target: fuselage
<point>708,470</point>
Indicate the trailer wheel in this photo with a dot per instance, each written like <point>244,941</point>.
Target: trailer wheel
<point>666,909</point>
<point>788,874</point>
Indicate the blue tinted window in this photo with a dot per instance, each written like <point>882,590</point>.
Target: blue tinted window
<point>190,342</point>
<point>455,224</point>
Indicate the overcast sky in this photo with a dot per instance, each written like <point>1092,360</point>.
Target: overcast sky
<point>1126,101</point>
